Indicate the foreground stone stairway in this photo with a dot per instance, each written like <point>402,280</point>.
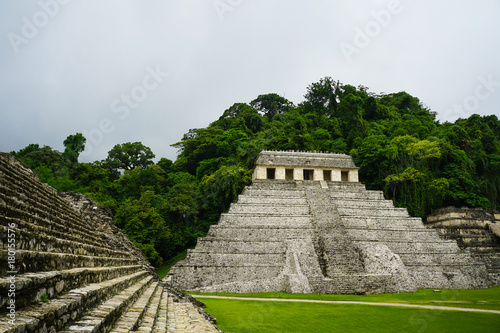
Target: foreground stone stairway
<point>69,269</point>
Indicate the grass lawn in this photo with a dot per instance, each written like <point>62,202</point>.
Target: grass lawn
<point>273,316</point>
<point>467,298</point>
<point>263,316</point>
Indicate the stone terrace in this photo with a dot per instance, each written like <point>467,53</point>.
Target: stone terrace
<point>477,230</point>
<point>74,271</point>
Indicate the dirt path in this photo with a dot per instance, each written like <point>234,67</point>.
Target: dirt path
<point>430,307</point>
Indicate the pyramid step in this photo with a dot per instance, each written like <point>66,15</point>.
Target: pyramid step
<point>31,286</point>
<point>252,191</point>
<point>373,212</point>
<point>28,191</point>
<point>248,233</point>
<point>130,320</point>
<point>265,220</point>
<point>409,246</point>
<point>272,200</point>
<point>275,209</point>
<point>32,261</point>
<point>153,312</point>
<point>160,325</point>
<point>400,222</point>
<point>392,234</point>
<point>366,195</point>
<point>34,221</point>
<point>346,186</point>
<point>363,203</point>
<point>171,319</point>
<point>102,318</point>
<point>30,241</point>
<point>56,314</point>
<point>49,222</point>
<point>277,184</point>
<point>208,244</point>
<point>67,234</point>
<point>219,275</point>
<point>25,200</point>
<point>235,259</point>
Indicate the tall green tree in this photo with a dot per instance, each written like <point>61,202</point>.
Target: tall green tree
<point>74,145</point>
<point>129,155</point>
<point>270,105</point>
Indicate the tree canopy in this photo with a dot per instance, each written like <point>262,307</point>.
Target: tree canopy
<point>397,142</point>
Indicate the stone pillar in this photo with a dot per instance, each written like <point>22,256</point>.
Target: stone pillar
<point>298,174</point>
<point>280,173</point>
<point>336,175</point>
<point>353,176</point>
<point>260,172</point>
<point>318,174</point>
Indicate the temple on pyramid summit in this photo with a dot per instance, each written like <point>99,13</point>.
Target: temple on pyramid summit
<point>307,225</point>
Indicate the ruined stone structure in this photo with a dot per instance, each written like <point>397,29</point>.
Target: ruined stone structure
<point>290,165</point>
<point>65,267</point>
<point>474,229</point>
<point>307,225</point>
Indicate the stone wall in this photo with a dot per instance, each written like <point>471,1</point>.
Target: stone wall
<point>474,229</point>
<point>65,267</point>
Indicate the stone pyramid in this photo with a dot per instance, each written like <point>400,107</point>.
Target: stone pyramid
<point>306,225</point>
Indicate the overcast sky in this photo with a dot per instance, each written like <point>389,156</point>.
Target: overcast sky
<point>129,70</point>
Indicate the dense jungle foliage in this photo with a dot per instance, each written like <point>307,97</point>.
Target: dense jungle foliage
<point>399,146</point>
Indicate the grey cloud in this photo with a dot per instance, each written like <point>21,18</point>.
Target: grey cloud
<point>65,78</point>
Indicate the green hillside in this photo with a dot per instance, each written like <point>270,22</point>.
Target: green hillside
<point>397,142</point>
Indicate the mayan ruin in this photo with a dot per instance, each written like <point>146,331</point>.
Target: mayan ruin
<point>307,225</point>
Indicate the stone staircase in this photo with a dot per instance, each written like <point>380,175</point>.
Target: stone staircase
<point>67,268</point>
<point>323,236</point>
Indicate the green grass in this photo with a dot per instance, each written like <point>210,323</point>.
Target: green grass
<point>467,298</point>
<point>270,316</point>
<point>165,267</point>
<point>273,316</point>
